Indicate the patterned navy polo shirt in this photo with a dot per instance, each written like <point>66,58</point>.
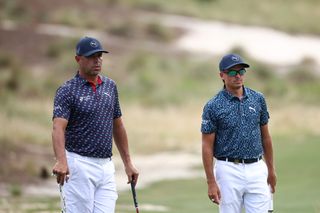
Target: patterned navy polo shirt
<point>236,123</point>
<point>90,114</point>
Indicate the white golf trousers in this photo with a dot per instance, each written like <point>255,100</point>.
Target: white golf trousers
<point>242,186</point>
<point>91,187</point>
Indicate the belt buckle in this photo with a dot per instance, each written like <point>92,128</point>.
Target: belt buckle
<point>236,161</point>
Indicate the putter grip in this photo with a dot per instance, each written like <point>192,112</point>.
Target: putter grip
<point>134,195</point>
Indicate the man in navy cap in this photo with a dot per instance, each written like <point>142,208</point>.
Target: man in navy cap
<point>86,119</point>
<point>237,148</point>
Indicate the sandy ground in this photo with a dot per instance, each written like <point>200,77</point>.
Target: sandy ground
<point>153,168</point>
<point>263,44</point>
<point>216,38</point>
<point>162,166</point>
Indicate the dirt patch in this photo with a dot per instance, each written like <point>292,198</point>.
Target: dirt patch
<point>161,166</point>
<point>263,44</point>
<point>153,168</point>
<point>25,46</point>
<point>24,164</point>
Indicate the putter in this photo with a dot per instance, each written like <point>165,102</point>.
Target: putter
<point>62,200</point>
<point>133,190</point>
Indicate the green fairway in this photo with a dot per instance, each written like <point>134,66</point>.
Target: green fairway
<point>298,188</point>
<point>298,175</point>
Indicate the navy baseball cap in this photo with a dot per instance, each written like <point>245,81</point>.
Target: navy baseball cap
<point>231,60</point>
<point>88,46</point>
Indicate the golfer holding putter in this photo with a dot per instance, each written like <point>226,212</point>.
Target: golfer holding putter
<point>236,145</point>
<point>86,118</point>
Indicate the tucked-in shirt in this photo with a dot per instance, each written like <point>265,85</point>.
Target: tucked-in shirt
<point>90,114</point>
<point>236,123</point>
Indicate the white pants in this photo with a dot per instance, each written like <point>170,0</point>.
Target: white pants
<point>242,186</point>
<point>91,187</point>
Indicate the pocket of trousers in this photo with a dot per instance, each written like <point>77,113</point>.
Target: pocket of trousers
<point>73,167</point>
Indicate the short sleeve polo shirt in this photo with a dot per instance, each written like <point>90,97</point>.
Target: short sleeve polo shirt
<point>236,123</point>
<point>90,114</point>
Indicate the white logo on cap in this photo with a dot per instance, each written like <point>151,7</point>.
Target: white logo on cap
<point>93,44</point>
<point>235,58</point>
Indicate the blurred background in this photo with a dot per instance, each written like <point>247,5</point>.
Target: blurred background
<point>164,57</point>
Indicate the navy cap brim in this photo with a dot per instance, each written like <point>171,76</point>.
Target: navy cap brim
<point>232,65</point>
<point>94,51</point>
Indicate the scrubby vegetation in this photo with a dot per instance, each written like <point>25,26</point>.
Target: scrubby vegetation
<point>160,87</point>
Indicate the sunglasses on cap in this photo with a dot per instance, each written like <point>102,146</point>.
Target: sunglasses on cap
<point>233,73</point>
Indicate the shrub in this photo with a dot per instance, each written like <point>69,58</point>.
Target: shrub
<point>301,76</point>
<point>124,29</point>
<point>5,60</point>
<point>157,31</point>
<point>15,190</point>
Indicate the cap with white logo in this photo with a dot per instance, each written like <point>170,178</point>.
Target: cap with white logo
<point>88,46</point>
<point>231,60</point>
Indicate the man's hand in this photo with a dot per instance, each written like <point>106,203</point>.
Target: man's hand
<point>132,174</point>
<point>272,180</point>
<point>61,171</point>
<point>214,192</point>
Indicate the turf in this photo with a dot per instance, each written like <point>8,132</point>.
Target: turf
<point>298,189</point>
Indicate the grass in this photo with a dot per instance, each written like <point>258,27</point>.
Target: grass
<point>175,196</point>
<point>280,15</point>
<point>297,175</point>
<point>172,128</point>
<point>162,99</point>
<point>162,96</point>
<point>155,80</point>
<point>31,117</point>
<point>297,189</point>
<point>29,205</point>
<point>296,145</point>
<point>275,14</point>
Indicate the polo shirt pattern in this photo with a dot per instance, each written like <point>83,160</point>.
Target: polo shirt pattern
<point>236,123</point>
<point>90,115</point>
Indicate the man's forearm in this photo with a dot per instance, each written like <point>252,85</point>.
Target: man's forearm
<point>58,142</point>
<point>121,141</point>
<point>58,138</point>
<point>268,154</point>
<point>267,147</point>
<point>124,151</point>
<point>207,156</point>
<point>207,159</point>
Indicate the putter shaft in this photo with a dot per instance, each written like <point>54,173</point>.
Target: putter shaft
<point>133,190</point>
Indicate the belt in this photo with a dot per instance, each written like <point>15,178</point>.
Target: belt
<point>91,159</point>
<point>237,160</point>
